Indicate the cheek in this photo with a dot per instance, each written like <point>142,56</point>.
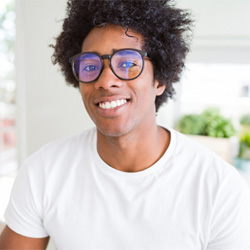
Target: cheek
<point>148,71</point>
<point>84,91</point>
<point>146,94</point>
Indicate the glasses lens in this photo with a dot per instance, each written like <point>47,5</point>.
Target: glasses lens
<point>127,64</point>
<point>87,67</point>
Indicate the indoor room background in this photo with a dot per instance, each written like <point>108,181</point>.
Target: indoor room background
<point>36,105</point>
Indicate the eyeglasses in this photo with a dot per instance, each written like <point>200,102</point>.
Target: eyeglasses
<point>126,64</point>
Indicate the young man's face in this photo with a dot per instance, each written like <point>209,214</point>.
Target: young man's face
<point>135,99</point>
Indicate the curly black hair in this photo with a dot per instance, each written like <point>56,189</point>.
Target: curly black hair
<point>165,28</point>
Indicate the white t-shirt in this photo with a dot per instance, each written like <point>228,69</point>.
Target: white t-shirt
<point>189,200</point>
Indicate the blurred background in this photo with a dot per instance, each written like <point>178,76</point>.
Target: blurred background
<point>36,106</point>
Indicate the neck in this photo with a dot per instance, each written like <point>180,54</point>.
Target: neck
<point>133,152</point>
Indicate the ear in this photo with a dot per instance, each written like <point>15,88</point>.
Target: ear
<point>159,88</point>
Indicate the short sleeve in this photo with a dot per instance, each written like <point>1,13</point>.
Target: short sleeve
<point>24,213</point>
<point>230,226</point>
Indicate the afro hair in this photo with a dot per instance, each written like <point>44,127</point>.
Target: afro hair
<point>165,28</point>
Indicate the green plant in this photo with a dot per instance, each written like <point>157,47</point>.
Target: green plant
<point>209,123</point>
<point>245,120</point>
<point>244,150</point>
<point>191,124</point>
<point>219,127</point>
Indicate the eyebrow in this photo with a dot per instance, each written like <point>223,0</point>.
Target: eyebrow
<point>113,51</point>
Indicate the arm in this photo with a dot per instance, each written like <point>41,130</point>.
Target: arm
<point>24,213</point>
<point>11,240</point>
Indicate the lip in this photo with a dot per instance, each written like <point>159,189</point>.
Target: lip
<point>113,112</point>
<point>109,99</point>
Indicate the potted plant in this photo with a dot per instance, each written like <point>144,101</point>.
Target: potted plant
<point>243,160</point>
<point>245,123</point>
<point>213,130</point>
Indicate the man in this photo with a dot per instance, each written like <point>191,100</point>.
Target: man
<point>127,184</point>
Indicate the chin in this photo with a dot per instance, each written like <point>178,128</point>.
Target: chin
<point>114,132</point>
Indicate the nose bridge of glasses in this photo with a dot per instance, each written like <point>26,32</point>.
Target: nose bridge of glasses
<point>108,64</point>
<point>105,57</point>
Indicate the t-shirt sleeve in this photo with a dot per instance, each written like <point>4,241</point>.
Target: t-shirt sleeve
<point>230,226</point>
<point>24,213</point>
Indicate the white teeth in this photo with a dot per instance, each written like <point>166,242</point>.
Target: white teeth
<point>118,103</point>
<point>112,105</point>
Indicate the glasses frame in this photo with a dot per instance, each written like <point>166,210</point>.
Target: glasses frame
<point>73,59</point>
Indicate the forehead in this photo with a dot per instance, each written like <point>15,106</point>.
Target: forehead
<point>107,38</point>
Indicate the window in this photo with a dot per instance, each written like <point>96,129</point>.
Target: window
<point>8,159</point>
<point>221,85</point>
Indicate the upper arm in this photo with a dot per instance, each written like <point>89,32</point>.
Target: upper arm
<point>11,240</point>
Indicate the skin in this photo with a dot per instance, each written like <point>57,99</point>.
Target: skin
<point>130,131</point>
<point>126,132</point>
<point>11,240</point>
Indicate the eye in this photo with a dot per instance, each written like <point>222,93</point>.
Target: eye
<point>90,68</point>
<point>127,64</point>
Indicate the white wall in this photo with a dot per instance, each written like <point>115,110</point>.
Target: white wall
<point>221,32</point>
<point>47,108</point>
<point>221,35</point>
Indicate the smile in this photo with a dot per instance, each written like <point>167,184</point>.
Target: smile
<point>112,105</point>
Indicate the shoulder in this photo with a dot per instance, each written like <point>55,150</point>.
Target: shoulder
<point>194,158</point>
<point>221,191</point>
<point>187,146</point>
<point>191,150</point>
<point>60,152</point>
<point>70,143</point>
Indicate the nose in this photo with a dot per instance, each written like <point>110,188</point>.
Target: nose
<point>107,79</point>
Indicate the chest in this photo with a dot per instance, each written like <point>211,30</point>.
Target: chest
<point>107,214</point>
